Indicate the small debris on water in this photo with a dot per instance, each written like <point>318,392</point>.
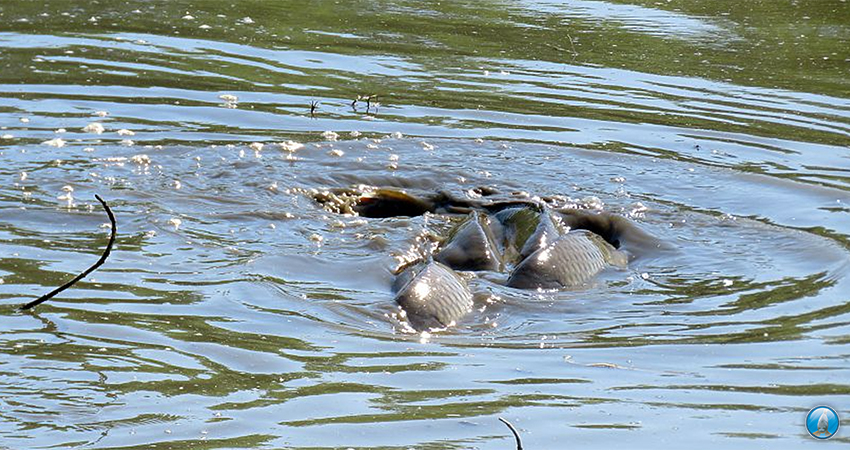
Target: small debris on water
<point>330,135</point>
<point>68,196</point>
<point>427,147</point>
<point>336,152</point>
<point>94,127</point>
<point>101,113</point>
<point>229,98</point>
<point>56,142</point>
<point>60,131</point>
<point>246,20</point>
<point>188,17</point>
<point>606,365</point>
<point>175,222</point>
<point>25,120</point>
<point>8,136</point>
<point>125,132</point>
<point>355,134</point>
<point>23,176</point>
<point>127,142</point>
<point>256,146</point>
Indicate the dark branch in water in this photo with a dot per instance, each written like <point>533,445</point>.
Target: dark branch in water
<point>314,104</point>
<point>513,430</point>
<point>91,269</point>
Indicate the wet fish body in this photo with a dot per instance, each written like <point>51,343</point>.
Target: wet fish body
<point>432,295</point>
<point>525,230</point>
<point>471,246</point>
<point>541,248</point>
<point>570,260</point>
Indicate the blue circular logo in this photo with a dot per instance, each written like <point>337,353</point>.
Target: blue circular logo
<point>822,422</point>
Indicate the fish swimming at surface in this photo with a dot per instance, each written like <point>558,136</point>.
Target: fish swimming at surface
<point>432,295</point>
<point>539,247</point>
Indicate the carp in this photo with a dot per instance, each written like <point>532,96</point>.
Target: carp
<point>432,295</point>
<point>539,247</point>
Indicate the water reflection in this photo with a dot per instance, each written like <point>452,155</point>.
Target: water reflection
<point>640,19</point>
<point>236,313</point>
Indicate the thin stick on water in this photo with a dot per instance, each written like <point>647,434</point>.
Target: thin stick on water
<point>91,269</point>
<point>513,430</point>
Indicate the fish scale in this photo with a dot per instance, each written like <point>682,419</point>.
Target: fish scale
<point>434,297</point>
<point>570,260</point>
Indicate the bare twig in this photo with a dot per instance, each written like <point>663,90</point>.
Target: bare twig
<point>513,430</point>
<point>91,269</point>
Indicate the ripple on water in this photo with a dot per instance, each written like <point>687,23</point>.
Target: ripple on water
<point>272,300</point>
<point>234,310</point>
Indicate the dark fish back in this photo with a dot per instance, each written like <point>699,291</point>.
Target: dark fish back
<point>471,246</point>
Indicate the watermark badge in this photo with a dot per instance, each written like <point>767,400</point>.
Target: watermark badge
<point>822,422</point>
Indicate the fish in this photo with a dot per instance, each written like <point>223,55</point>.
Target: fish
<point>471,245</point>
<point>569,261</point>
<point>432,295</point>
<point>617,230</point>
<point>381,203</point>
<point>538,247</point>
<point>823,422</point>
<point>525,229</point>
<point>373,203</point>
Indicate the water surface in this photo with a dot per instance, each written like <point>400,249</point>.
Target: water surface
<point>234,312</point>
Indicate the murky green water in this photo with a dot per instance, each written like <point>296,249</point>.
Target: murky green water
<point>235,313</point>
